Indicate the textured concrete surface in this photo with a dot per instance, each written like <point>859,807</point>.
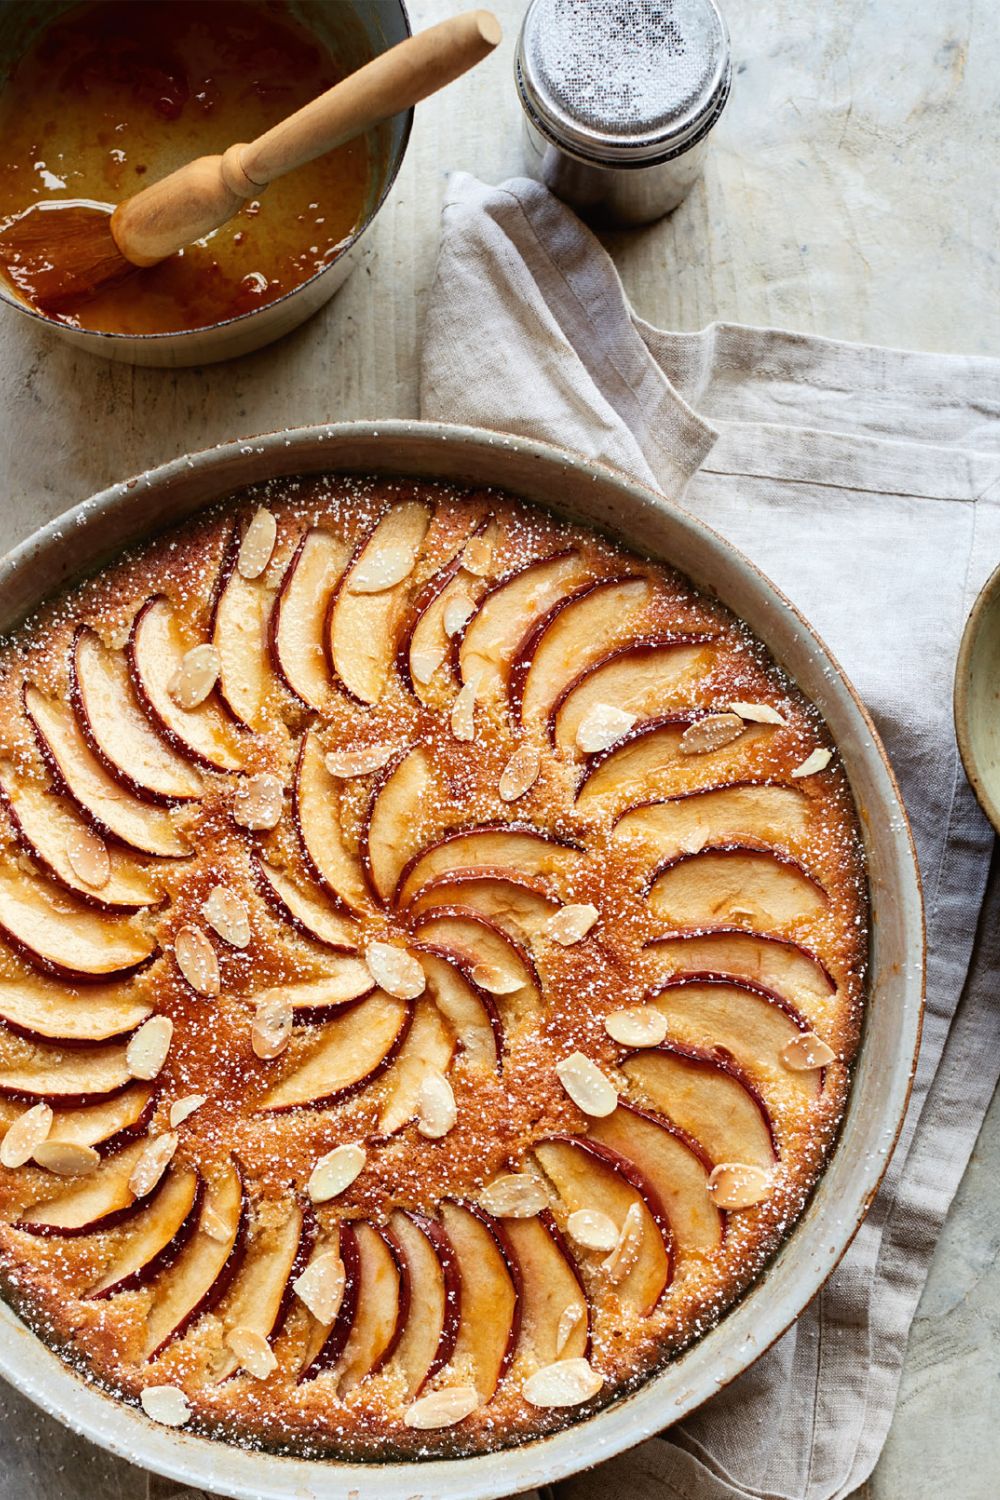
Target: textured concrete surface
<point>846,194</point>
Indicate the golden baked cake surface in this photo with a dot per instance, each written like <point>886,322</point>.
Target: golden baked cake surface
<point>433,949</point>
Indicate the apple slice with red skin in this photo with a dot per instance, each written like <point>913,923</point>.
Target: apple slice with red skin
<point>93,1203</point>
<point>429,1046</point>
<point>381,1310</point>
<point>587,1174</point>
<point>240,614</point>
<point>506,613</point>
<point>349,1053</point>
<point>44,1012</point>
<point>298,620</point>
<point>550,1282</point>
<point>345,981</point>
<point>484,847</point>
<point>747,1021</point>
<point>476,939</point>
<point>107,1124</point>
<point>734,883</point>
<point>516,903</point>
<point>708,1096</point>
<point>76,1077</point>
<point>775,962</point>
<point>427,1341</point>
<point>156,1236</point>
<point>676,1165</point>
<point>424,633</point>
<point>309,1234</point>
<point>637,764</point>
<point>400,790</point>
<point>491,1295</point>
<point>156,650</point>
<point>470,1011</point>
<point>258,1292</point>
<point>117,730</point>
<point>362,627</point>
<point>758,812</point>
<point>47,826</point>
<point>60,937</point>
<point>326,1342</point>
<point>102,800</point>
<point>316,808</point>
<point>640,678</point>
<point>306,908</point>
<point>579,625</point>
<point>201,1275</point>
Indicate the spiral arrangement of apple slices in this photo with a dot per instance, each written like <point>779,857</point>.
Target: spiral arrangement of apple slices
<point>432,955</point>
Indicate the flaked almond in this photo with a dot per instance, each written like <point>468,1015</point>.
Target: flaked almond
<point>593,1229</point>
<point>568,1382</point>
<point>395,971</point>
<point>453,1403</point>
<point>182,1108</point>
<point>757,713</point>
<point>228,915</point>
<point>514,1196</point>
<point>587,1086</point>
<point>496,980</point>
<point>258,801</point>
<point>601,725</point>
<point>334,1172</point>
<point>570,1319</point>
<point>152,1163</point>
<point>257,544</point>
<point>147,1049</point>
<point>638,1026</point>
<point>25,1135</point>
<point>463,711</point>
<point>214,1225</point>
<point>423,664</point>
<point>477,558</point>
<point>89,858</point>
<point>570,924</point>
<point>458,611</point>
<point>817,761</point>
<point>520,773</point>
<point>67,1158</point>
<point>196,960</point>
<point>738,1184</point>
<point>436,1108</point>
<point>382,568</point>
<point>626,1251</point>
<point>272,1027</point>
<point>253,1352</point>
<point>710,733</point>
<point>347,763</point>
<point>806,1052</point>
<point>195,677</point>
<point>165,1404</point>
<point>321,1286</point>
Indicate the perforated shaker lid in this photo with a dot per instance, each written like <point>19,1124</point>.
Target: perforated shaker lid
<point>623,81</point>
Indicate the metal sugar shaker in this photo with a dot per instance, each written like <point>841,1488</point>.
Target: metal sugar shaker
<point>619,97</point>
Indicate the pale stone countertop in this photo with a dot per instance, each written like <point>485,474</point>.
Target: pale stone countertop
<point>848,193</point>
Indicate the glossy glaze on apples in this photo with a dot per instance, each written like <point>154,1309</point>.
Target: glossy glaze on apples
<point>402,643</point>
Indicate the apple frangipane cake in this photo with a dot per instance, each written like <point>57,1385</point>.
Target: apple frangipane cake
<point>433,948</point>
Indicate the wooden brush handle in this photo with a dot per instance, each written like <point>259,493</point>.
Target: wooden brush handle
<point>197,198</point>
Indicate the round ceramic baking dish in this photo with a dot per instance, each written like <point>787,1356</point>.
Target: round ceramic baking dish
<point>97,530</point>
<point>354,30</point>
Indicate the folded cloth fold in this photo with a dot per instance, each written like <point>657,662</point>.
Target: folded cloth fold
<point>866,483</point>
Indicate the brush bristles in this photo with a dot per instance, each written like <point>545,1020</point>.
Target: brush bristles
<point>60,257</point>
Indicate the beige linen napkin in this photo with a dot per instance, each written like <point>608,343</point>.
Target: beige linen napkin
<point>866,483</point>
